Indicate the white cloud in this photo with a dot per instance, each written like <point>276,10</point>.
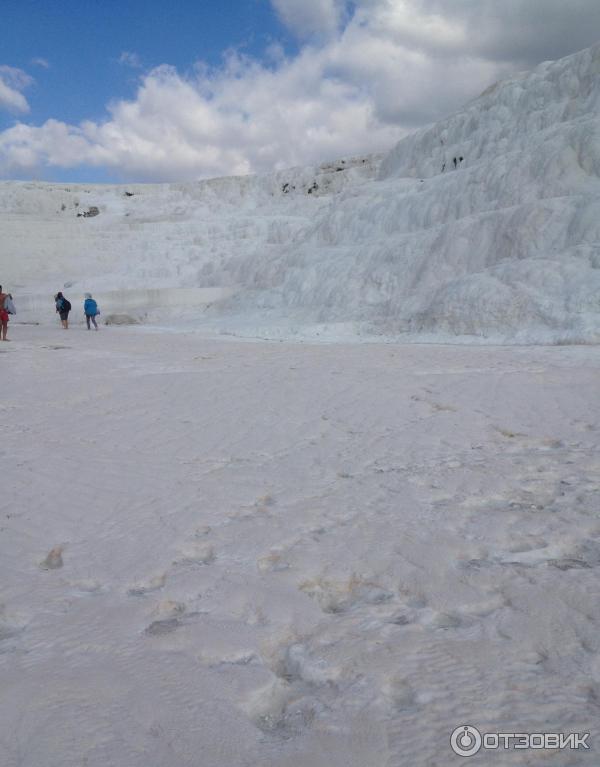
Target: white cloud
<point>309,17</point>
<point>12,82</point>
<point>390,66</point>
<point>40,62</point>
<point>220,124</point>
<point>523,31</point>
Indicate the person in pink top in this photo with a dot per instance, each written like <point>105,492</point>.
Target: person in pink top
<point>3,315</point>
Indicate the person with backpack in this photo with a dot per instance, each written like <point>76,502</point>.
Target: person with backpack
<point>6,308</point>
<point>90,308</point>
<point>63,307</point>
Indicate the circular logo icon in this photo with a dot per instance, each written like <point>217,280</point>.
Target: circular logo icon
<point>466,740</point>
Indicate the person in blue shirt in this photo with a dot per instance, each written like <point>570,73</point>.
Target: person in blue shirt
<point>90,307</point>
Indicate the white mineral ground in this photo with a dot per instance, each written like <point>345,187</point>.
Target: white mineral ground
<point>290,554</point>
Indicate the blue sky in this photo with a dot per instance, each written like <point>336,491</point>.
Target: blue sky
<point>83,42</point>
<point>134,90</point>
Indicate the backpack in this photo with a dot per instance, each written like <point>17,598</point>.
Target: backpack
<point>66,305</point>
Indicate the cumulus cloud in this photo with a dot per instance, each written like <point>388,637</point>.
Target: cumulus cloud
<point>309,17</point>
<point>384,68</point>
<point>525,31</point>
<point>241,119</point>
<point>12,82</point>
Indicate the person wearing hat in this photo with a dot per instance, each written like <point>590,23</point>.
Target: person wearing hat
<point>90,308</point>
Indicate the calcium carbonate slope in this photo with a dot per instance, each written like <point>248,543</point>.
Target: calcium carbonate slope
<point>485,225</point>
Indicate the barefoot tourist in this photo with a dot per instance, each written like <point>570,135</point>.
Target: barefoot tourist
<point>63,307</point>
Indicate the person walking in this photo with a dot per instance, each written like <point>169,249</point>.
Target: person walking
<point>63,307</point>
<point>90,308</point>
<point>5,305</point>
